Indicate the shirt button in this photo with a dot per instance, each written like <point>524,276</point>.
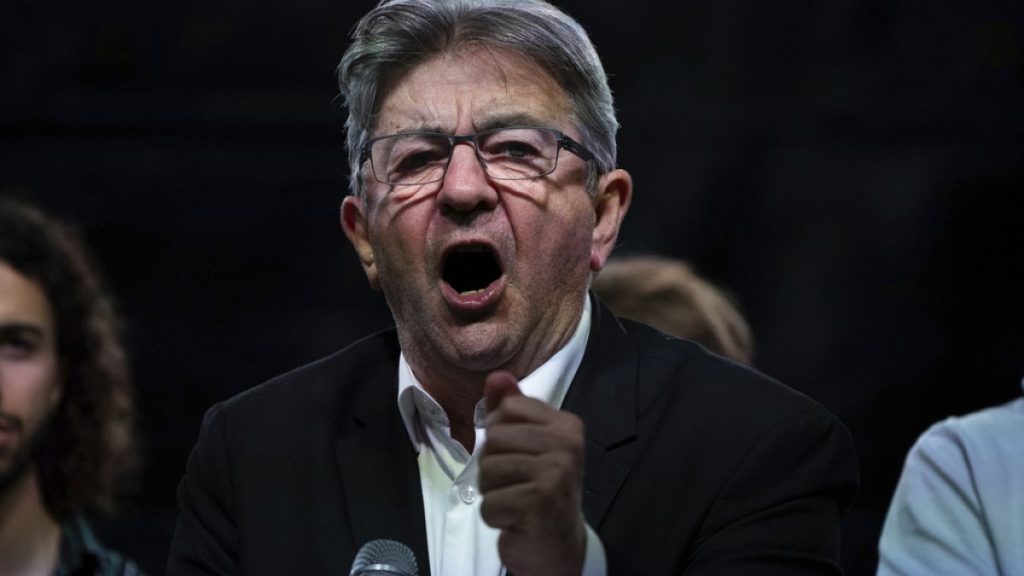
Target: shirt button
<point>467,493</point>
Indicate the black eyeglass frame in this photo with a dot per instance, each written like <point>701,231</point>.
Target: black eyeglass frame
<point>562,141</point>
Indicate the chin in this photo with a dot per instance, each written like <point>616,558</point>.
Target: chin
<point>479,348</point>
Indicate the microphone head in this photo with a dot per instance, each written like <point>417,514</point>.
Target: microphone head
<point>384,558</point>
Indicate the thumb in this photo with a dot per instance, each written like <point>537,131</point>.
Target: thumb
<point>497,386</point>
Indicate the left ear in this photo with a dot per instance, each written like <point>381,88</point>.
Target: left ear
<point>614,193</point>
<point>353,222</point>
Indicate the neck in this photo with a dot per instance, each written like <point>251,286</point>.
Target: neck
<point>458,388</point>
<point>29,535</point>
<point>459,398</point>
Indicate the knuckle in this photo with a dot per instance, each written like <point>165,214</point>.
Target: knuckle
<point>493,513</point>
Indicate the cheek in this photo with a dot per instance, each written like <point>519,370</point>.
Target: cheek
<point>30,387</point>
<point>398,246</point>
<point>566,241</point>
<point>578,227</point>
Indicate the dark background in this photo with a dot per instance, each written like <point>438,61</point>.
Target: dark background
<point>850,170</point>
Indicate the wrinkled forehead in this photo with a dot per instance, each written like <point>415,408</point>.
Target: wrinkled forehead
<point>472,89</point>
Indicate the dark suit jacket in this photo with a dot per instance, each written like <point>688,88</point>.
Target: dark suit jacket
<point>694,465</point>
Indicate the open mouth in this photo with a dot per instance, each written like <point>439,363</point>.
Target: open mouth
<point>471,268</point>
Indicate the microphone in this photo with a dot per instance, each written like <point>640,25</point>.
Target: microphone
<point>384,558</point>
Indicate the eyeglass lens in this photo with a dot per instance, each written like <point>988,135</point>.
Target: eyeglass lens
<point>507,154</point>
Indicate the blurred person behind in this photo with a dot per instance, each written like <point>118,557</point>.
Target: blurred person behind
<point>959,505</point>
<point>667,294</point>
<point>66,410</point>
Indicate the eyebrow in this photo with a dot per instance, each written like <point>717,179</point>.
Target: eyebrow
<point>21,329</point>
<point>507,120</point>
<point>421,129</point>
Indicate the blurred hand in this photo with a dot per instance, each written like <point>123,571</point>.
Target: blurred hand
<point>531,477</point>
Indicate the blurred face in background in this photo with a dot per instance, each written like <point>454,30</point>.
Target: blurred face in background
<point>29,375</point>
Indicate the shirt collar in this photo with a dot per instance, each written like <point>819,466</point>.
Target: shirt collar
<point>548,383</point>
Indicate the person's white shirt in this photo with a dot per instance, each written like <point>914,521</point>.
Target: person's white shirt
<point>458,540</point>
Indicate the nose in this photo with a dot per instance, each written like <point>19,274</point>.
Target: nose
<point>466,187</point>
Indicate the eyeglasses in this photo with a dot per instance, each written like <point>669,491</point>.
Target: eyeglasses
<point>516,153</point>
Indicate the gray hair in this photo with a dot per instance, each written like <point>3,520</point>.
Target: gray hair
<point>399,35</point>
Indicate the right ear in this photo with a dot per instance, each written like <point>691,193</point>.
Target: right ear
<point>353,222</point>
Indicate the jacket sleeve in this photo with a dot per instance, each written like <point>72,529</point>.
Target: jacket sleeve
<point>205,538</point>
<point>782,509</point>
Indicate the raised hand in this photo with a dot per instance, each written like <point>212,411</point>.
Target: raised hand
<point>531,476</point>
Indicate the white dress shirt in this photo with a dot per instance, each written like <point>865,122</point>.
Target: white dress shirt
<point>458,540</point>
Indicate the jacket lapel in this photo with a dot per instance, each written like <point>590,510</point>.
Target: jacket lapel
<point>603,393</point>
<point>379,472</point>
